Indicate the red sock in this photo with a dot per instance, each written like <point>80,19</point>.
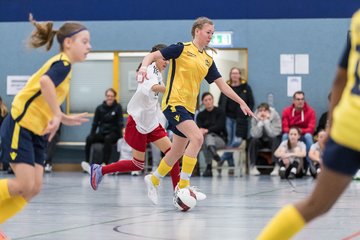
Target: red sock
<point>175,173</point>
<point>123,166</point>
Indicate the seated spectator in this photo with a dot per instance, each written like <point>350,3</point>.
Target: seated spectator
<point>323,120</point>
<point>211,122</point>
<point>3,113</point>
<point>264,131</point>
<point>106,128</point>
<point>291,153</point>
<point>236,121</point>
<point>316,153</point>
<point>50,151</point>
<point>299,114</point>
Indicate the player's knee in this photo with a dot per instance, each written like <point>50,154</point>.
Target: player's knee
<point>25,188</point>
<point>198,140</point>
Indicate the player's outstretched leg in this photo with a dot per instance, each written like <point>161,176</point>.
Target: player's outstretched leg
<point>95,176</point>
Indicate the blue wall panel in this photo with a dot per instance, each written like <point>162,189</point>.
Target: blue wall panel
<point>322,39</point>
<point>59,10</point>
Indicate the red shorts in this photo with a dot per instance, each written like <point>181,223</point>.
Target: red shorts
<point>137,140</point>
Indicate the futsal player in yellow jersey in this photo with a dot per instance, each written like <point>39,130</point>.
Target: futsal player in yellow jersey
<point>36,115</point>
<point>341,158</point>
<point>189,65</point>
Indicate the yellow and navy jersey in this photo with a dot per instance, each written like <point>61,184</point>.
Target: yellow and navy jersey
<point>345,128</point>
<point>29,107</point>
<point>188,67</point>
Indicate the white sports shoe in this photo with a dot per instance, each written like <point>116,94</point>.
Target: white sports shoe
<point>135,173</point>
<point>199,195</point>
<point>152,190</point>
<point>86,167</point>
<point>48,168</point>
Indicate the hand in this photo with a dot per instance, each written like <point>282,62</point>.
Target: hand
<point>260,123</point>
<point>141,74</point>
<point>260,116</point>
<point>52,127</point>
<point>204,131</point>
<point>74,119</point>
<point>247,111</point>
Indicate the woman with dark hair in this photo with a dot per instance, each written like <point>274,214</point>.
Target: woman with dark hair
<point>3,113</point>
<point>291,153</point>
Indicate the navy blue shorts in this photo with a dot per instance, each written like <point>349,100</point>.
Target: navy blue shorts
<point>20,145</point>
<point>341,159</point>
<point>176,115</point>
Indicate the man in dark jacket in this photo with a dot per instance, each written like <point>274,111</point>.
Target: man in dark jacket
<point>106,128</point>
<point>211,122</point>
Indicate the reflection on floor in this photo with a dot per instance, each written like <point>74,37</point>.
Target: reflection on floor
<point>236,208</point>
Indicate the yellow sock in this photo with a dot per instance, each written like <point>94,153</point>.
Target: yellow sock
<point>4,190</point>
<point>160,172</point>
<point>10,207</point>
<point>284,225</point>
<point>188,165</point>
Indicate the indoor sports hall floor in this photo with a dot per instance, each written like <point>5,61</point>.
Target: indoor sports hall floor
<point>236,208</point>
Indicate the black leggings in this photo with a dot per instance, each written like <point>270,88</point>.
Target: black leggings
<point>108,140</point>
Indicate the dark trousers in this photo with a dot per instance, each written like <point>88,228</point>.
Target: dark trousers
<point>50,151</point>
<point>108,140</point>
<point>257,144</point>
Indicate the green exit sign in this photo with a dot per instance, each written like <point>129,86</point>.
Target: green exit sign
<point>222,39</point>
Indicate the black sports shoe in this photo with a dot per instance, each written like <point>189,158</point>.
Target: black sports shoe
<point>282,172</point>
<point>291,175</point>
<point>207,172</point>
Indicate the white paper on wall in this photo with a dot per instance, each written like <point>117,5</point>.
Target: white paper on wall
<point>301,63</point>
<point>293,85</point>
<point>14,83</point>
<point>287,62</point>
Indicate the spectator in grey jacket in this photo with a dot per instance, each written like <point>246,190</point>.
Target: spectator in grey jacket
<point>265,132</point>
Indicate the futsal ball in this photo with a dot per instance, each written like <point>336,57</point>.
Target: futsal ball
<point>184,199</point>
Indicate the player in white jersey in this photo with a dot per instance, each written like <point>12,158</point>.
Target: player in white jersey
<point>144,106</point>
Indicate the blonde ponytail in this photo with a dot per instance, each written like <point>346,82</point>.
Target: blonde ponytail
<point>43,34</point>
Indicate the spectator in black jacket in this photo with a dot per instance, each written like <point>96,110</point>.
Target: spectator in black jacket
<point>322,121</point>
<point>3,113</point>
<point>236,122</point>
<point>211,122</point>
<point>106,128</point>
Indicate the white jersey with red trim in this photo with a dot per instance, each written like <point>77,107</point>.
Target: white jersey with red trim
<point>144,105</point>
